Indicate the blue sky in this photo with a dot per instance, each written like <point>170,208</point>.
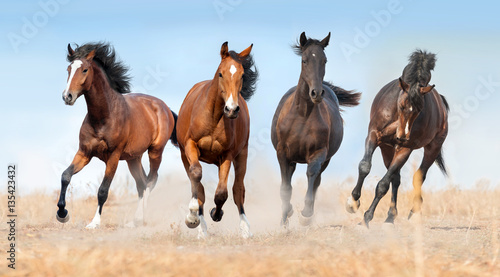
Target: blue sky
<point>180,41</point>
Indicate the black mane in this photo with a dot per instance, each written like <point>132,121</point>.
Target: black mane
<point>297,49</point>
<point>250,76</point>
<point>105,57</point>
<point>418,74</point>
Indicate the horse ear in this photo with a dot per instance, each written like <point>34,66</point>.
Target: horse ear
<point>224,52</point>
<point>427,89</point>
<point>326,40</point>
<point>246,52</point>
<point>303,39</point>
<point>70,50</point>
<point>403,85</point>
<point>90,55</point>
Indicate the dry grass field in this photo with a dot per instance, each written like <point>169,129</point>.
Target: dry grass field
<point>458,235</point>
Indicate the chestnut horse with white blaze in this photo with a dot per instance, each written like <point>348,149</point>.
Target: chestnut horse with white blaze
<point>307,126</point>
<point>118,126</point>
<point>213,127</point>
<point>406,114</point>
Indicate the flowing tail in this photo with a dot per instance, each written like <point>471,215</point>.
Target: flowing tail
<point>347,98</point>
<point>173,136</point>
<point>440,163</point>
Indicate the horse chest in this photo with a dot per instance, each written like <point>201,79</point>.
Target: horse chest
<point>212,145</point>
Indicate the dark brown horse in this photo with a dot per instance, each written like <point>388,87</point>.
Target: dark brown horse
<point>118,126</point>
<point>406,114</point>
<point>213,127</point>
<point>307,126</point>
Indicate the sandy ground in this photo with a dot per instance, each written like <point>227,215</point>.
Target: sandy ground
<point>458,235</point>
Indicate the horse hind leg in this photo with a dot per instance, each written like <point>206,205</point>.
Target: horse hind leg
<point>240,168</point>
<point>139,175</point>
<point>314,171</point>
<point>431,152</point>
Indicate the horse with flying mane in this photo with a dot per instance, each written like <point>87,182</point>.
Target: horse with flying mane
<point>214,127</point>
<point>118,126</point>
<point>406,114</point>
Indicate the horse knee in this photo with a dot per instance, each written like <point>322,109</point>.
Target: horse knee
<point>220,197</point>
<point>382,188</point>
<point>364,167</point>
<point>102,195</point>
<point>195,172</point>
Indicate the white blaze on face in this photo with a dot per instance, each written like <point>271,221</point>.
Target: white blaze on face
<point>74,66</point>
<point>232,70</point>
<point>314,55</point>
<point>407,128</point>
<point>230,104</point>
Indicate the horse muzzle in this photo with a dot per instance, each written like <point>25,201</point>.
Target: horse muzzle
<point>68,99</point>
<point>232,113</point>
<point>317,95</point>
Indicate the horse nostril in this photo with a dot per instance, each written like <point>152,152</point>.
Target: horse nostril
<point>313,93</point>
<point>226,109</point>
<point>70,97</point>
<point>322,92</point>
<point>237,109</point>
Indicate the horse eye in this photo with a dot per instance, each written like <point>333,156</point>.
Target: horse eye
<point>303,61</point>
<point>220,74</point>
<point>85,70</point>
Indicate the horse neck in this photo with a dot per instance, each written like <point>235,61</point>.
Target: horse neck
<point>302,101</point>
<point>101,99</point>
<point>214,101</point>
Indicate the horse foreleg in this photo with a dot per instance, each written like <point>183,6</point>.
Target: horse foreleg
<point>221,191</point>
<point>190,158</point>
<point>240,169</point>
<point>287,168</point>
<point>139,175</point>
<point>400,157</point>
<point>365,166</point>
<point>79,161</point>
<point>315,167</point>
<point>102,194</point>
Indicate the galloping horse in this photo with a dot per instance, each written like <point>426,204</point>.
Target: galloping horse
<point>213,127</point>
<point>118,126</point>
<point>307,126</point>
<point>406,114</point>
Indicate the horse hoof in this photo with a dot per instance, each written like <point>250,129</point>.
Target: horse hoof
<point>305,221</point>
<point>192,221</point>
<point>63,218</point>
<point>352,205</point>
<point>216,217</point>
<point>410,214</point>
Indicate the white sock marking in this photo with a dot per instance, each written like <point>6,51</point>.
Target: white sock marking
<point>96,221</point>
<point>232,70</point>
<point>245,227</point>
<point>74,66</point>
<point>202,228</point>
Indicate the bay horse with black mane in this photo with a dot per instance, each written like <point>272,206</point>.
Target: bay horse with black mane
<point>118,125</point>
<point>307,126</point>
<point>213,127</point>
<point>406,114</point>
